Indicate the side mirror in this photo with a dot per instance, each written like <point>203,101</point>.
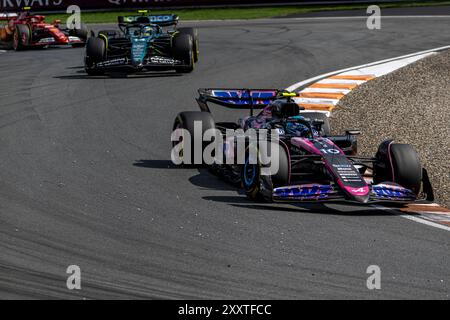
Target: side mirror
<point>353,132</point>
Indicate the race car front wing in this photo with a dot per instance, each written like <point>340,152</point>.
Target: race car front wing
<point>150,63</point>
<point>384,192</point>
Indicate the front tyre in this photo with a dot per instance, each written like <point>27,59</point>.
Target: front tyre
<point>398,163</point>
<point>95,53</point>
<point>259,187</point>
<point>193,32</point>
<point>183,50</point>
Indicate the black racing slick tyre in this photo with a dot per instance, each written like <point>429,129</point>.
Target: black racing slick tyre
<point>402,166</point>
<point>95,52</point>
<point>22,37</point>
<point>193,32</point>
<point>96,49</point>
<point>186,121</point>
<point>183,50</point>
<point>252,180</point>
<point>326,127</point>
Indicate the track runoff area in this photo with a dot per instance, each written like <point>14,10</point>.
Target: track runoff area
<point>323,93</point>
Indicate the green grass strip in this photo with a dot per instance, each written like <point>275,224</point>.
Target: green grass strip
<point>238,13</point>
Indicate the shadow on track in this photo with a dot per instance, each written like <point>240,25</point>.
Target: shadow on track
<point>76,67</point>
<point>319,209</point>
<point>315,208</point>
<point>81,74</point>
<point>156,164</point>
<point>208,181</point>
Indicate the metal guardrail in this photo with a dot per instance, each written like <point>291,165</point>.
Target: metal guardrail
<point>108,5</point>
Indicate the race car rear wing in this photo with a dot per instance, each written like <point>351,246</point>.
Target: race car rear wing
<point>8,16</point>
<point>163,20</point>
<point>244,99</point>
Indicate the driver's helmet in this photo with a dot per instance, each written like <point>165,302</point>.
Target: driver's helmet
<point>147,31</point>
<point>297,128</point>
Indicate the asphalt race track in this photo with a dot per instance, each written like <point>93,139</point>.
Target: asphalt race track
<point>85,179</point>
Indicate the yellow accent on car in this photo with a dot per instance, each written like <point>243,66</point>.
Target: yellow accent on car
<point>106,39</point>
<point>288,94</point>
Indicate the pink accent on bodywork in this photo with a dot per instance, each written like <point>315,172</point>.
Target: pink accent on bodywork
<point>362,191</point>
<point>390,161</point>
<point>289,160</point>
<point>309,146</point>
<point>305,144</point>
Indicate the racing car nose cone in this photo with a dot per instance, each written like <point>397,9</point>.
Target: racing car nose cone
<point>359,194</point>
<point>362,199</point>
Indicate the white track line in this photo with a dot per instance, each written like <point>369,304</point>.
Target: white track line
<point>344,91</point>
<point>414,218</point>
<point>317,100</point>
<point>303,83</point>
<point>426,222</point>
<point>358,82</point>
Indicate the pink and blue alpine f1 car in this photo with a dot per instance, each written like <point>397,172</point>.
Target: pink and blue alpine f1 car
<point>313,164</point>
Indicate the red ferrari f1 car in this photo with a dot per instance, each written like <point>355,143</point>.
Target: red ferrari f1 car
<point>24,30</point>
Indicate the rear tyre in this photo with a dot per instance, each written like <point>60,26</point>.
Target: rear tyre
<point>401,166</point>
<point>326,127</point>
<point>193,32</point>
<point>95,53</point>
<point>252,180</point>
<point>22,37</point>
<point>183,50</point>
<point>186,120</point>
